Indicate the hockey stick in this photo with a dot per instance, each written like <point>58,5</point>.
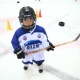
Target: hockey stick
<point>68,41</point>
<point>55,45</point>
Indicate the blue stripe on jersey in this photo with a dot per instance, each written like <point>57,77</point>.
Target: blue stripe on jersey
<point>31,42</point>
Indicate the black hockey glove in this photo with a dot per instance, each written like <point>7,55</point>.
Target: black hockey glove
<point>20,54</point>
<point>51,47</point>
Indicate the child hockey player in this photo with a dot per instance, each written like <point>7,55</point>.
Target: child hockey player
<point>30,37</point>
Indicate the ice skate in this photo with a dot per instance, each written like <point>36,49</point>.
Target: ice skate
<point>40,68</point>
<point>25,68</point>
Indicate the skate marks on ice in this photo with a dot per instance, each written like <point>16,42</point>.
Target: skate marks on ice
<point>58,73</point>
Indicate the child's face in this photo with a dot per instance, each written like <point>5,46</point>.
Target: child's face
<point>28,22</point>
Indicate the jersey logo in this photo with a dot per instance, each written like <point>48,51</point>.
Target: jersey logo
<point>39,35</point>
<point>32,44</point>
<point>24,37</point>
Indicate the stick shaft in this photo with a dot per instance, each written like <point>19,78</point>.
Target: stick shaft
<point>48,47</point>
<point>55,45</point>
<point>68,41</point>
<point>64,43</point>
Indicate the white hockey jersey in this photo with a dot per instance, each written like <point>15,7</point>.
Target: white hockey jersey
<point>30,40</point>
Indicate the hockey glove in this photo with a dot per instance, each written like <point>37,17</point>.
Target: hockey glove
<point>20,54</point>
<point>51,47</point>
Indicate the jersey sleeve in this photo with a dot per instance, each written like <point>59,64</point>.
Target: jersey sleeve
<point>15,42</point>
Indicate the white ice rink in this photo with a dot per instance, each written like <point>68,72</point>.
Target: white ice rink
<point>61,64</point>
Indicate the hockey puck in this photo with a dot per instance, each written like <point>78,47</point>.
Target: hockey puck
<point>18,1</point>
<point>61,24</point>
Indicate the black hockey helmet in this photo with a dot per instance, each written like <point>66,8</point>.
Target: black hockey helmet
<point>27,12</point>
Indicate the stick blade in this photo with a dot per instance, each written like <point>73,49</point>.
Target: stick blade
<point>77,37</point>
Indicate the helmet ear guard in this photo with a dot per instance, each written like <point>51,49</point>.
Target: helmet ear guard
<point>27,12</point>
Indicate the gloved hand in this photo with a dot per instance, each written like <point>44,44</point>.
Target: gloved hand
<point>51,47</point>
<point>20,54</point>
